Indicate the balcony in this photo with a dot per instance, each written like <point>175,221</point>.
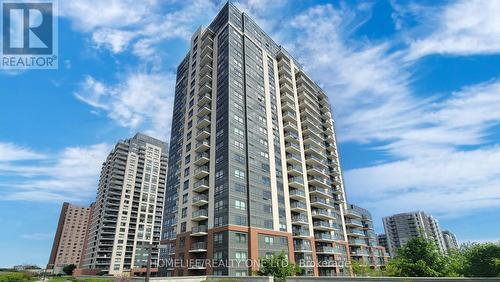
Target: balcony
<point>287,96</point>
<point>323,237</point>
<point>322,214</point>
<point>355,232</point>
<point>206,69</point>
<point>203,121</point>
<point>353,223</point>
<point>205,88</point>
<point>328,250</point>
<point>290,126</point>
<point>288,106</point>
<point>328,263</point>
<point>289,116</point>
<point>207,59</point>
<point>317,170</point>
<point>207,50</point>
<point>206,38</point>
<point>200,230</point>
<point>204,99</point>
<point>199,215</point>
<point>300,220</point>
<point>201,172</point>
<point>302,248</point>
<point>359,253</point>
<point>202,146</point>
<point>201,186</point>
<point>201,158</point>
<point>292,147</point>
<point>296,182</point>
<point>321,202</point>
<point>297,194</point>
<point>293,159</point>
<point>207,78</point>
<point>323,225</point>
<point>200,200</point>
<point>324,192</point>
<point>197,265</point>
<point>357,242</point>
<point>295,170</point>
<point>285,79</point>
<point>286,89</point>
<point>203,133</point>
<point>315,161</point>
<point>203,111</point>
<point>352,213</point>
<point>291,137</point>
<point>198,247</point>
<point>300,233</point>
<point>298,207</point>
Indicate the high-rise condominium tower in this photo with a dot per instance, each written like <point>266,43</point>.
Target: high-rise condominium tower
<point>69,239</point>
<point>127,215</point>
<point>400,228</point>
<point>253,164</point>
<point>450,240</point>
<point>363,244</point>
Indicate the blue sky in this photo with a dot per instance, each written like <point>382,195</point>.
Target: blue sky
<point>415,89</point>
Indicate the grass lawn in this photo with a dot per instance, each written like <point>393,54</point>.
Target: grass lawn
<point>6,276</point>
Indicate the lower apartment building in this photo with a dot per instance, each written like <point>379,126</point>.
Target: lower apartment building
<point>253,160</point>
<point>69,239</point>
<point>363,244</point>
<point>400,228</point>
<point>127,214</point>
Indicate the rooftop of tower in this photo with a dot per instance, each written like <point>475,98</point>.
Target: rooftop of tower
<point>232,15</point>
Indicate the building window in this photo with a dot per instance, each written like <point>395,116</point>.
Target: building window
<point>241,237</point>
<point>239,145</point>
<point>240,255</point>
<point>239,174</point>
<point>269,240</point>
<point>240,220</point>
<point>239,132</point>
<point>240,205</point>
<point>218,238</point>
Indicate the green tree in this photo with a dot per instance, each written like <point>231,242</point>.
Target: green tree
<point>68,269</point>
<point>481,260</point>
<point>419,257</point>
<point>360,269</point>
<point>278,266</point>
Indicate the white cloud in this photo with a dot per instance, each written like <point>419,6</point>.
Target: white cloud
<point>434,173</point>
<point>369,85</point>
<point>113,39</point>
<point>87,15</point>
<point>139,101</point>
<point>37,236</point>
<point>13,152</point>
<point>448,184</point>
<point>71,174</point>
<point>138,26</point>
<point>461,28</point>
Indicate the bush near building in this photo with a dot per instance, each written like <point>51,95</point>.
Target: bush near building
<point>420,258</point>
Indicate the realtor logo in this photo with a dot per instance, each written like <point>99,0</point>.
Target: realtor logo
<point>29,35</point>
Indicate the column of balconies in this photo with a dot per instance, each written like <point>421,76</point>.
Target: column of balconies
<point>300,220</point>
<point>202,147</point>
<point>324,191</point>
<point>358,244</point>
